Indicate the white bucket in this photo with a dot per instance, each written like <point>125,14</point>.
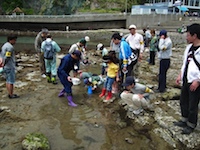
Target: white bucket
<point>76,81</point>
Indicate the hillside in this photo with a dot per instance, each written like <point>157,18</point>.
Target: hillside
<point>66,7</point>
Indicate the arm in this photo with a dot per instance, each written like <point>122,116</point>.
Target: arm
<point>57,47</point>
<point>37,43</point>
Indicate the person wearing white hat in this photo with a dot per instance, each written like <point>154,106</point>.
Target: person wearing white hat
<point>101,47</point>
<point>87,38</point>
<point>136,43</point>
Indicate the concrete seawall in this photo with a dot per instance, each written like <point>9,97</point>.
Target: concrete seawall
<point>81,22</point>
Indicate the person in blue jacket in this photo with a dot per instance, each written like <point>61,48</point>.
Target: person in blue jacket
<point>126,65</point>
<point>67,64</point>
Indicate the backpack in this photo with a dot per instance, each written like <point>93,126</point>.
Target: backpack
<point>48,50</point>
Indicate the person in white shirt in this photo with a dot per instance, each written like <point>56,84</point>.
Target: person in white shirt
<point>190,77</point>
<point>136,43</point>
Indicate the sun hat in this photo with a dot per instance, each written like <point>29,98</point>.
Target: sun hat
<point>99,46</point>
<point>132,26</point>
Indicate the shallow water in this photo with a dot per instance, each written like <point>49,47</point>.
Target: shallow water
<point>26,43</point>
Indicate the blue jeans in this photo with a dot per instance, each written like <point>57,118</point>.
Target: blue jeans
<point>108,83</point>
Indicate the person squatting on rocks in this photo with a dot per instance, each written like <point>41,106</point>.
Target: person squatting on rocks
<point>112,75</point>
<point>66,65</point>
<point>41,36</point>
<point>124,54</point>
<point>136,43</point>
<point>153,47</point>
<point>91,79</point>
<point>50,48</point>
<point>8,64</point>
<point>164,54</point>
<point>135,95</point>
<point>190,77</point>
<point>104,52</point>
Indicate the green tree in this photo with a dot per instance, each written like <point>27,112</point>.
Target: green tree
<point>9,5</point>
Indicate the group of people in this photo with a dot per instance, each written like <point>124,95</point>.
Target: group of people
<point>120,64</point>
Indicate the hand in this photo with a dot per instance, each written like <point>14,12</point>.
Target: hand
<point>178,80</point>
<point>1,62</point>
<point>140,96</point>
<point>194,85</point>
<point>69,79</point>
<point>140,57</point>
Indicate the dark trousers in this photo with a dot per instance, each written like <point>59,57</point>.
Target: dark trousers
<point>152,57</point>
<point>67,85</point>
<point>129,68</point>
<point>189,101</point>
<point>164,66</point>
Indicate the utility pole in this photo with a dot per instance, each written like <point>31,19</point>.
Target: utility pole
<point>126,7</point>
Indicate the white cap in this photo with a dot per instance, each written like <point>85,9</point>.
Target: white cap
<point>87,38</point>
<point>132,26</point>
<point>99,46</point>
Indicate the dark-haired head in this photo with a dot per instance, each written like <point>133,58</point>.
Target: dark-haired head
<point>116,36</point>
<point>11,37</point>
<point>194,29</point>
<point>49,36</point>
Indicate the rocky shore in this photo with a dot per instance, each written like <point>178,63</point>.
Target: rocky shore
<point>93,124</point>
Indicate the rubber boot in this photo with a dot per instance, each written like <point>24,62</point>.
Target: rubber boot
<point>62,92</point>
<point>53,80</point>
<point>48,77</point>
<point>103,92</point>
<point>70,101</point>
<point>109,96</point>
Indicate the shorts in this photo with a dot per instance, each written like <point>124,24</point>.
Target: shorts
<point>10,75</point>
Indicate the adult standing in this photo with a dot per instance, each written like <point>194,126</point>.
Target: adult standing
<point>124,55</point>
<point>190,76</point>
<point>153,47</point>
<point>136,43</point>
<point>8,57</point>
<point>164,54</point>
<point>50,47</point>
<point>41,36</point>
<point>66,65</point>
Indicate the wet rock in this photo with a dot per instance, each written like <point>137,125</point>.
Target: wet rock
<point>35,141</point>
<point>122,124</point>
<point>19,84</point>
<point>171,94</point>
<point>129,140</point>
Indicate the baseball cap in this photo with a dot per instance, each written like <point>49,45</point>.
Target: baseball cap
<point>129,81</point>
<point>83,41</point>
<point>77,53</point>
<point>132,27</point>
<point>163,32</point>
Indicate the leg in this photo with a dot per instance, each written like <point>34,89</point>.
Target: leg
<point>53,72</point>
<point>164,66</point>
<point>42,63</point>
<point>10,80</point>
